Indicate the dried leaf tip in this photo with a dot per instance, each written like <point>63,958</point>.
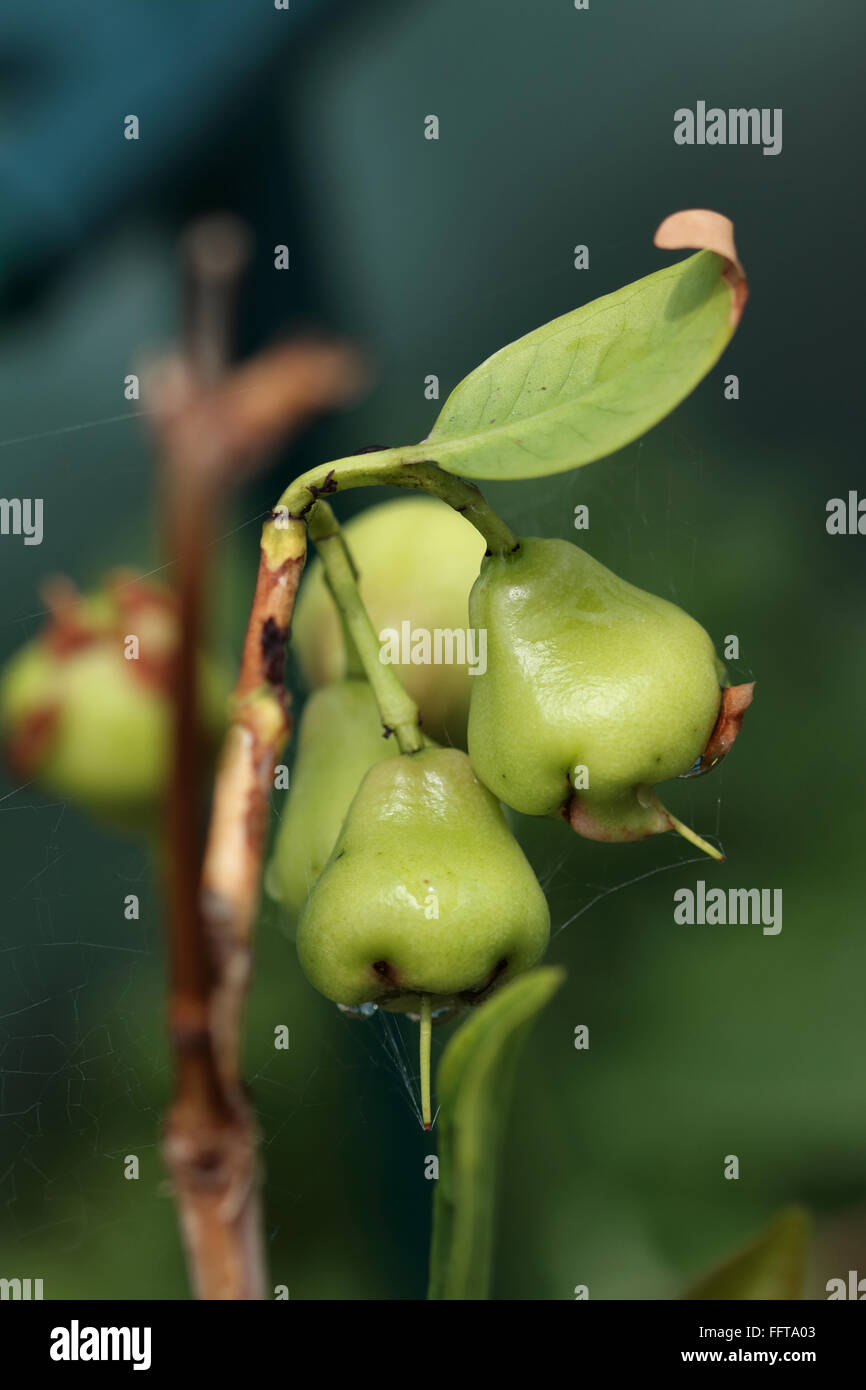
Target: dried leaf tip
<point>699,229</point>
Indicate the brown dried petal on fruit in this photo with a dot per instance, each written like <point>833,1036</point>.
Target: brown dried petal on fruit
<point>67,629</point>
<point>27,749</point>
<point>735,701</point>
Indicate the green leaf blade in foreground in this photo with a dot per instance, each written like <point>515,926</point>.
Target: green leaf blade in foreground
<point>474,1082</point>
<point>592,381</point>
<point>771,1267</point>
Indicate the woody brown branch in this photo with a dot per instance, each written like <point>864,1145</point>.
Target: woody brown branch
<point>260,726</point>
<point>211,1135</point>
<point>208,434</point>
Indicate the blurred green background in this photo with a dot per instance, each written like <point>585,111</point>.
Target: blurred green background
<point>556,129</point>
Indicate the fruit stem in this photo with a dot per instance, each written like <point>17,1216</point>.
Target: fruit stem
<point>398,712</point>
<point>689,834</point>
<point>426,1028</point>
<point>400,468</point>
<point>329,523</point>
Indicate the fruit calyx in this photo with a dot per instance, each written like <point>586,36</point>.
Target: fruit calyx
<point>640,813</point>
<point>735,701</point>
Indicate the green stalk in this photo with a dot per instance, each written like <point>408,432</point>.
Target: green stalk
<point>425,1040</point>
<point>687,833</point>
<point>397,710</point>
<point>328,522</point>
<point>399,468</point>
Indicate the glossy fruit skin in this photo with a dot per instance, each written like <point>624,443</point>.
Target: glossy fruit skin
<point>422,830</point>
<point>417,560</point>
<point>585,670</point>
<point>87,723</point>
<point>339,739</point>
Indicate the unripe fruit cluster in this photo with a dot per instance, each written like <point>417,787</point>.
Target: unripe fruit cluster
<point>401,870</point>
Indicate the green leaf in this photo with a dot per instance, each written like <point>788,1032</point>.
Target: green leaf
<point>592,381</point>
<point>771,1267</point>
<point>473,1087</point>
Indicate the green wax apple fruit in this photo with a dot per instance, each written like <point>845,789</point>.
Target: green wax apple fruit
<point>339,739</point>
<point>416,560</point>
<point>594,692</point>
<point>427,897</point>
<point>85,706</point>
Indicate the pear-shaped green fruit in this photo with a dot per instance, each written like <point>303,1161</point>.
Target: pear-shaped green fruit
<point>416,560</point>
<point>85,706</point>
<point>594,692</point>
<point>339,739</point>
<point>427,898</point>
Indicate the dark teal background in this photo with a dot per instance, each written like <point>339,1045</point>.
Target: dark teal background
<point>556,129</point>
